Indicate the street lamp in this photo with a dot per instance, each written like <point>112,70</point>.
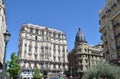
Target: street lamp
<point>70,72</point>
<point>6,39</point>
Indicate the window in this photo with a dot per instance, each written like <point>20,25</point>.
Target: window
<point>35,56</point>
<point>35,37</point>
<point>31,30</point>
<point>35,65</point>
<point>46,49</point>
<point>59,49</point>
<point>37,31</point>
<point>85,50</point>
<point>80,61</point>
<point>42,38</point>
<point>46,57</point>
<point>63,36</point>
<point>47,38</point>
<point>58,52</point>
<point>23,29</point>
<point>54,35</point>
<point>49,33</point>
<point>59,36</point>
<point>30,48</point>
<point>54,47</point>
<point>42,32</point>
<point>24,72</point>
<point>36,49</point>
<point>81,67</point>
<point>54,51</point>
<point>54,66</point>
<point>79,50</point>
<point>46,65</point>
<point>28,72</point>
<point>25,48</point>
<point>25,45</point>
<point>58,58</point>
<point>63,49</point>
<point>59,66</point>
<point>54,58</point>
<point>41,65</point>
<point>42,50</point>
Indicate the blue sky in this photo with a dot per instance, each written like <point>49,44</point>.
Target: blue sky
<point>64,15</point>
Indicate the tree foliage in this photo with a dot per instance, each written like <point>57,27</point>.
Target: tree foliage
<point>37,74</point>
<point>13,66</point>
<point>102,70</point>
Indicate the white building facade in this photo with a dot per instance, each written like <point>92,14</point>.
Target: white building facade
<point>2,31</point>
<point>44,48</point>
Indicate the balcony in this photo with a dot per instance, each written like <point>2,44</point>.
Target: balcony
<point>47,60</point>
<point>49,54</point>
<point>36,53</point>
<point>56,62</point>
<point>45,68</point>
<point>55,69</point>
<point>54,55</point>
<point>41,54</point>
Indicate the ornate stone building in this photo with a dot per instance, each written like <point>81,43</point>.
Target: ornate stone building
<point>44,48</point>
<point>110,29</point>
<point>83,56</point>
<point>2,31</point>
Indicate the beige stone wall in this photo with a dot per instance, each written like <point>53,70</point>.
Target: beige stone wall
<point>85,56</point>
<point>109,27</point>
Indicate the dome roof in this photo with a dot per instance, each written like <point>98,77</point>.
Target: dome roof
<point>80,37</point>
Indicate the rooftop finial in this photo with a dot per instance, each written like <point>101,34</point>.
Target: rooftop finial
<point>79,29</point>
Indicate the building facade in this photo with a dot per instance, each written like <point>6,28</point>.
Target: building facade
<point>110,29</point>
<point>83,56</point>
<point>44,48</point>
<point>2,31</point>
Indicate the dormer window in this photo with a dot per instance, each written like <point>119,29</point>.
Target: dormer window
<point>31,30</point>
<point>37,31</point>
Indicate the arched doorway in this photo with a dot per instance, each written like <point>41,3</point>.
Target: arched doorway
<point>44,74</point>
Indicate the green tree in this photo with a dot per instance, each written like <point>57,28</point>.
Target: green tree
<point>13,66</point>
<point>102,70</point>
<point>37,74</point>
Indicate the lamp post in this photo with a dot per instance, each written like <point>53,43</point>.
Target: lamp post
<point>6,39</point>
<point>70,72</point>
